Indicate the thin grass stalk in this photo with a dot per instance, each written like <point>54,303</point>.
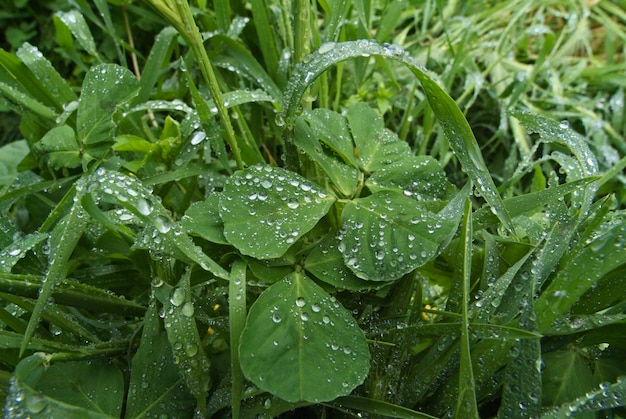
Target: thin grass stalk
<point>178,14</point>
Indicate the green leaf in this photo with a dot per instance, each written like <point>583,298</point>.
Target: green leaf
<point>160,234</point>
<point>299,343</point>
<point>585,266</point>
<point>55,86</point>
<point>203,218</point>
<point>420,178</point>
<point>314,139</point>
<point>11,155</point>
<point>76,23</point>
<point>105,88</point>
<point>388,234</point>
<point>10,255</point>
<point>60,148</point>
<point>607,396</point>
<point>325,261</point>
<point>566,376</point>
<point>63,240</point>
<point>156,387</point>
<point>65,389</point>
<point>266,209</point>
<point>182,333</point>
<point>237,320</point>
<point>376,146</point>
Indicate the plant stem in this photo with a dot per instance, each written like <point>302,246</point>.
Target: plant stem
<point>179,15</point>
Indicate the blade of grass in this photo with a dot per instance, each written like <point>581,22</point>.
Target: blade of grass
<point>466,401</point>
<point>265,33</point>
<point>237,318</point>
<point>378,407</point>
<point>64,238</point>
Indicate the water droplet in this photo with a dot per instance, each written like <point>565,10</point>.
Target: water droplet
<point>144,207</point>
<point>316,308</point>
<point>293,203</point>
<point>178,297</point>
<point>162,224</point>
<point>191,349</point>
<point>276,318</point>
<point>326,47</point>
<point>36,404</point>
<point>300,302</point>
<point>187,309</point>
<point>198,137</point>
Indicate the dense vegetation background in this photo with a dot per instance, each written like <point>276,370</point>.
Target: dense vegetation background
<point>265,208</point>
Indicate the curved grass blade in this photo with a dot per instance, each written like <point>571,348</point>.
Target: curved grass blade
<point>453,123</point>
<point>63,239</point>
<point>607,396</point>
<point>378,407</point>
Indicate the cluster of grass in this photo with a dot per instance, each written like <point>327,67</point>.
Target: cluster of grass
<point>266,208</point>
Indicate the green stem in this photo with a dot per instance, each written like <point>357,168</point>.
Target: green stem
<point>178,13</point>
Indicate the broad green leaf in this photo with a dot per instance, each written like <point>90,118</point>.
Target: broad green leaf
<point>345,177</point>
<point>420,178</point>
<point>565,377</point>
<point>376,146</point>
<point>332,131</point>
<point>299,343</point>
<point>156,387</point>
<point>452,121</point>
<point>388,234</point>
<point>65,389</point>
<point>182,333</point>
<point>203,219</point>
<point>266,209</point>
<point>325,261</point>
<point>60,148</point>
<point>11,155</point>
<point>105,88</point>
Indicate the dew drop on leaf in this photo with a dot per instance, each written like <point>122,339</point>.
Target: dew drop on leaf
<point>178,297</point>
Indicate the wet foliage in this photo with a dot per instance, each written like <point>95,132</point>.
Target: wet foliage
<point>312,209</point>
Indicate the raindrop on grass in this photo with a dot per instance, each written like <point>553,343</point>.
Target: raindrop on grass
<point>300,302</point>
<point>276,318</point>
<point>326,47</point>
<point>144,207</point>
